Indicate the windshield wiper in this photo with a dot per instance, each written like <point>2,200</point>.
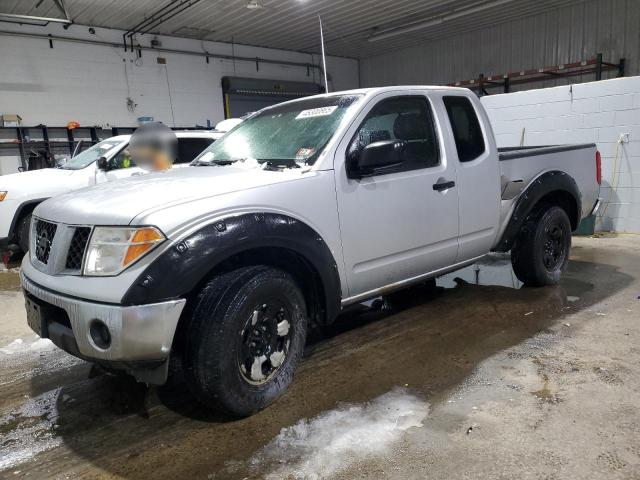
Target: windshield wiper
<point>214,163</point>
<point>280,164</point>
<point>269,164</point>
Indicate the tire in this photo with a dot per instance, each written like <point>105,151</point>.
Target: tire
<point>22,232</point>
<point>229,364</point>
<point>541,251</point>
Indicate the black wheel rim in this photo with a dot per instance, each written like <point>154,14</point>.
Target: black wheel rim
<point>555,248</point>
<point>264,342</point>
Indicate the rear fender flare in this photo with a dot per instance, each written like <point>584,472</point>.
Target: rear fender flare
<point>547,183</point>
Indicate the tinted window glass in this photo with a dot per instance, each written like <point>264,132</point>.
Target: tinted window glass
<point>466,128</point>
<point>121,160</point>
<point>190,148</point>
<point>401,118</point>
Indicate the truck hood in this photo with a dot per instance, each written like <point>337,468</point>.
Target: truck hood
<point>119,202</point>
<point>41,183</point>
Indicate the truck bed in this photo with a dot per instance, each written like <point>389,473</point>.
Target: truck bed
<point>519,166</point>
<point>511,153</point>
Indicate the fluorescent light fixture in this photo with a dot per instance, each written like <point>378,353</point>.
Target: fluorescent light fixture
<point>412,27</point>
<point>30,18</point>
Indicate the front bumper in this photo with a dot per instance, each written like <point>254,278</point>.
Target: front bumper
<point>140,333</point>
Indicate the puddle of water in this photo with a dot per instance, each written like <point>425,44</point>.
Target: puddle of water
<point>335,440</point>
<point>495,269</point>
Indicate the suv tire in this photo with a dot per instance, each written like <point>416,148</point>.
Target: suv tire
<point>22,232</point>
<point>541,251</point>
<point>244,339</point>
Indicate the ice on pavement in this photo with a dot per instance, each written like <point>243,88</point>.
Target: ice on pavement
<point>334,440</point>
<point>31,430</point>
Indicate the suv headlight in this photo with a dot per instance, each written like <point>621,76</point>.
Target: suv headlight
<point>113,249</point>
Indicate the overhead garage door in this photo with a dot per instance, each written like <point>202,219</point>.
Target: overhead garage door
<point>246,95</point>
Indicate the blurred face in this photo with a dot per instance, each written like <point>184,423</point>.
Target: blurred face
<point>153,147</point>
<point>151,158</point>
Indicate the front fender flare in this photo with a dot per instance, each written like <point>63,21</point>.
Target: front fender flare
<point>178,270</point>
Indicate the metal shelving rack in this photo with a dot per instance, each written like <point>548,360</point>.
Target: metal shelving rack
<point>505,81</point>
<point>52,140</point>
<point>57,140</point>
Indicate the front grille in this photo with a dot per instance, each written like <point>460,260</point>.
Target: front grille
<point>45,232</point>
<point>77,247</point>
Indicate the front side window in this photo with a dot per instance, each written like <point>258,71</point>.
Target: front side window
<point>404,119</point>
<point>466,128</point>
<point>90,155</point>
<point>288,134</point>
<point>121,160</point>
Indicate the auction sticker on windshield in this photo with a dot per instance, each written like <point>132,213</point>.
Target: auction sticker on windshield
<point>317,112</point>
<point>304,153</point>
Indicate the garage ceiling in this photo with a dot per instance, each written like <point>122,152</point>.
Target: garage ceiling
<point>292,24</point>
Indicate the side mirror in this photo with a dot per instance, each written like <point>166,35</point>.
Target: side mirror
<point>376,155</point>
<point>103,164</point>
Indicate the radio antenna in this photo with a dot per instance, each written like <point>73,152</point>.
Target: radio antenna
<point>324,58</point>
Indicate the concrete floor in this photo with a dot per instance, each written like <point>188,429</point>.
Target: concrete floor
<point>478,380</point>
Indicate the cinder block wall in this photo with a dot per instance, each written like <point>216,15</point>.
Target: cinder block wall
<point>597,112</point>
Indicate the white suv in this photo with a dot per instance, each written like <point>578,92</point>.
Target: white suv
<point>21,192</point>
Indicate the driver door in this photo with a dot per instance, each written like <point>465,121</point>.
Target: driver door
<point>397,222</point>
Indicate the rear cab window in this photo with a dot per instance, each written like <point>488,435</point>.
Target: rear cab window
<point>467,132</point>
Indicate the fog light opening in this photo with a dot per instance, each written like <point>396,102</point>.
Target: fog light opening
<point>100,334</point>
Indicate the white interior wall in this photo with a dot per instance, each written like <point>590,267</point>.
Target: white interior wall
<point>87,83</point>
<point>583,113</point>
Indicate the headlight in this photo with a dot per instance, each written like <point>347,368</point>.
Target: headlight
<point>3,194</point>
<point>112,249</point>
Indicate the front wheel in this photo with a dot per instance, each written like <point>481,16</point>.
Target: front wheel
<point>541,251</point>
<point>22,232</point>
<point>244,340</point>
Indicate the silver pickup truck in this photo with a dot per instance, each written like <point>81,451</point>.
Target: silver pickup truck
<point>302,210</point>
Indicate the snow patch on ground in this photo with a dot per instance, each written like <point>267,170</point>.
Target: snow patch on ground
<point>335,440</point>
<point>24,345</point>
<point>4,269</point>
<point>30,357</point>
<point>29,430</point>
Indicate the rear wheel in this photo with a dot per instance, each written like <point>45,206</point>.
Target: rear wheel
<point>244,340</point>
<point>22,232</point>
<point>541,251</point>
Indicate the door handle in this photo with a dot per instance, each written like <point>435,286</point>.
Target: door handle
<point>438,187</point>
